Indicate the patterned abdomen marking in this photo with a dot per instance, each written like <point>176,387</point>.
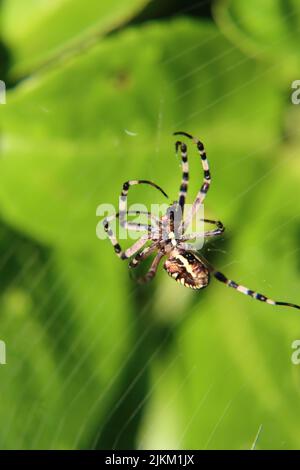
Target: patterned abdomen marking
<point>187,269</point>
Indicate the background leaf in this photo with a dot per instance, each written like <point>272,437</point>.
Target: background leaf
<point>275,39</point>
<point>40,31</point>
<point>94,360</point>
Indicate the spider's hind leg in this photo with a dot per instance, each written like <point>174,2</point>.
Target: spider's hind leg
<point>244,290</point>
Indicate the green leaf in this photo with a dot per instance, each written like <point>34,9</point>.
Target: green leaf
<point>229,369</point>
<point>40,32</point>
<point>275,39</point>
<point>66,337</point>
<point>65,134</point>
<point>70,138</point>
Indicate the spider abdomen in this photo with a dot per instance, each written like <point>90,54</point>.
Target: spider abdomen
<point>186,268</point>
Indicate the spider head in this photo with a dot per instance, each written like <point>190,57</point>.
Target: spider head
<point>186,268</point>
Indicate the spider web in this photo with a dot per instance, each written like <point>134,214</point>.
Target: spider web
<point>156,351</point>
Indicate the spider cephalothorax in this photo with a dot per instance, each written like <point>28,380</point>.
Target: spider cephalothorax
<point>169,237</point>
<point>187,268</point>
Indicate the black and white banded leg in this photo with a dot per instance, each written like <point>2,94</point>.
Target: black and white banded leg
<point>125,254</point>
<point>217,231</point>
<point>244,290</point>
<point>210,233</point>
<point>134,226</point>
<point>185,174</point>
<point>124,194</point>
<point>206,180</point>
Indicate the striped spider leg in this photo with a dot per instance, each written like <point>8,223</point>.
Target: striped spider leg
<point>125,254</point>
<point>192,270</point>
<point>172,219</point>
<point>124,194</point>
<point>185,174</point>
<point>136,227</point>
<point>193,236</point>
<point>205,184</point>
<point>130,225</point>
<point>244,290</point>
<point>170,240</point>
<point>201,194</point>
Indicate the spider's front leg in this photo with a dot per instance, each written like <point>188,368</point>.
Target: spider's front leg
<point>153,233</point>
<point>134,226</point>
<point>206,180</point>
<point>124,254</point>
<point>185,174</point>
<point>217,231</point>
<point>124,194</point>
<point>193,236</point>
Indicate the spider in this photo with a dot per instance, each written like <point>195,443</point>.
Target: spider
<point>168,234</point>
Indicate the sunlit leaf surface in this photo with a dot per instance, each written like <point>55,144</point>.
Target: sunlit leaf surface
<point>93,359</point>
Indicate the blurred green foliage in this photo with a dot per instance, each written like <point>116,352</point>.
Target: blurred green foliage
<point>94,361</point>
